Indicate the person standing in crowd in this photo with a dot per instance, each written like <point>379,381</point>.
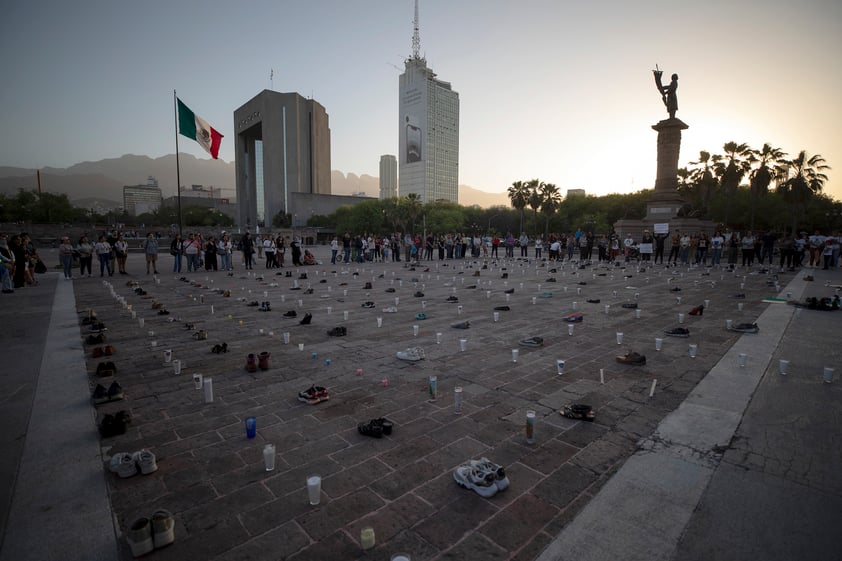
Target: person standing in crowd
<point>150,249</point>
<point>86,255</point>
<point>191,252</point>
<point>121,252</point>
<point>7,265</point>
<point>103,252</point>
<point>747,244</point>
<point>176,250</point>
<point>296,252</point>
<point>223,249</point>
<point>269,251</point>
<point>280,250</point>
<point>65,254</point>
<point>247,244</point>
<point>524,244</point>
<point>19,253</point>
<point>334,249</point>
<point>660,240</point>
<point>211,263</point>
<point>716,244</point>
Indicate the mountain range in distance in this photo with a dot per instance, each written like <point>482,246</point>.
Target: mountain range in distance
<point>100,183</point>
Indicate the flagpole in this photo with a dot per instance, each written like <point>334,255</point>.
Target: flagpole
<point>177,167</point>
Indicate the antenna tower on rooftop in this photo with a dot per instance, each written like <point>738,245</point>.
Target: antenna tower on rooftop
<point>416,36</point>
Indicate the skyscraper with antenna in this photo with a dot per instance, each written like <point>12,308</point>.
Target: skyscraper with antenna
<point>428,130</point>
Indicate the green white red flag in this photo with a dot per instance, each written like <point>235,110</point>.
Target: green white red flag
<point>194,127</point>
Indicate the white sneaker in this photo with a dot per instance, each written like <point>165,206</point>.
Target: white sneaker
<point>471,478</point>
<point>412,355</point>
<point>145,460</point>
<point>487,466</point>
<point>127,466</point>
<point>390,310</point>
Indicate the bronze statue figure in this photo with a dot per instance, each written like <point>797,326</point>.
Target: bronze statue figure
<point>669,93</point>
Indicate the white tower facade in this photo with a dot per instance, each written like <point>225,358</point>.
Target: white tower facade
<point>388,176</point>
<point>428,131</point>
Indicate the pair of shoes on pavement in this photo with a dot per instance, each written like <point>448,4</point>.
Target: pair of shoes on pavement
<point>677,332</point>
<point>290,314</point>
<point>219,349</point>
<point>418,294</point>
<point>314,395</point>
<point>632,358</point>
<point>147,534</point>
<point>113,425</point>
<point>265,307</point>
<point>376,427</point>
<point>502,308</point>
<point>339,331</point>
<point>573,318</point>
<point>629,305</point>
<point>413,354</point>
<point>452,299</point>
<point>368,305</point>
<point>99,352</point>
<point>106,369</point>
<point>697,311</point>
<point>390,289</point>
<point>97,339</point>
<point>101,395</point>
<point>532,342</point>
<point>391,310</point>
<point>482,476</point>
<point>592,300</point>
<point>306,319</point>
<point>461,325</point>
<point>746,328</point>
<point>578,411</point>
<point>127,464</point>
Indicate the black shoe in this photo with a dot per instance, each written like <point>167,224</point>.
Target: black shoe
<point>593,300</point>
<point>419,294</point>
<point>632,357</point>
<point>306,320</point>
<point>338,332</point>
<point>370,429</point>
<point>290,314</point>
<point>452,299</point>
<point>502,308</point>
<point>253,304</point>
<point>115,392</point>
<point>100,394</point>
<point>678,332</point>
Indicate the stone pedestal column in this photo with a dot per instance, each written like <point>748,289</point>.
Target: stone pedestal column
<point>666,201</point>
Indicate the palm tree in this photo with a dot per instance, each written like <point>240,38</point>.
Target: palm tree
<point>805,178</point>
<point>702,178</point>
<point>534,199</point>
<point>761,176</point>
<point>731,173</point>
<point>550,202</point>
<point>519,195</point>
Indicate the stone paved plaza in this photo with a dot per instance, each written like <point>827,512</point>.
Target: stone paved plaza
<point>227,507</point>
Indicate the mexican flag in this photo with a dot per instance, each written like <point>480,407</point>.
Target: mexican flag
<point>193,126</point>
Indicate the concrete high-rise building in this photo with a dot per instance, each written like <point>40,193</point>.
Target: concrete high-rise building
<point>428,130</point>
<point>140,199</point>
<point>388,176</point>
<point>282,151</point>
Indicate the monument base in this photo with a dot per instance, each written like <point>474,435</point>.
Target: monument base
<point>635,228</point>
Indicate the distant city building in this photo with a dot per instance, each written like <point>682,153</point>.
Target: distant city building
<point>140,199</point>
<point>282,148</point>
<point>388,176</point>
<point>428,130</point>
<point>190,199</point>
<point>574,192</point>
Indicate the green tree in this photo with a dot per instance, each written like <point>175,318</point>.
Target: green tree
<point>766,165</point>
<point>805,178</point>
<point>519,197</point>
<point>550,201</point>
<point>534,200</point>
<point>732,169</point>
<point>413,210</point>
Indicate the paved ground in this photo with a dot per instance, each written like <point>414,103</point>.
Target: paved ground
<point>228,507</point>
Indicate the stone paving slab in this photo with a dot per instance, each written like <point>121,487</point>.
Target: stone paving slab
<point>227,507</point>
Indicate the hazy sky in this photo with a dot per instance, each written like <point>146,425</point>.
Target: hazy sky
<point>550,89</point>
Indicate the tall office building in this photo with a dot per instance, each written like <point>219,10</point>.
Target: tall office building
<point>282,151</point>
<point>140,199</point>
<point>428,130</point>
<point>388,176</point>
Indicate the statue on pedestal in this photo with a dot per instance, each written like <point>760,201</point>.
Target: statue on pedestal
<point>669,93</point>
